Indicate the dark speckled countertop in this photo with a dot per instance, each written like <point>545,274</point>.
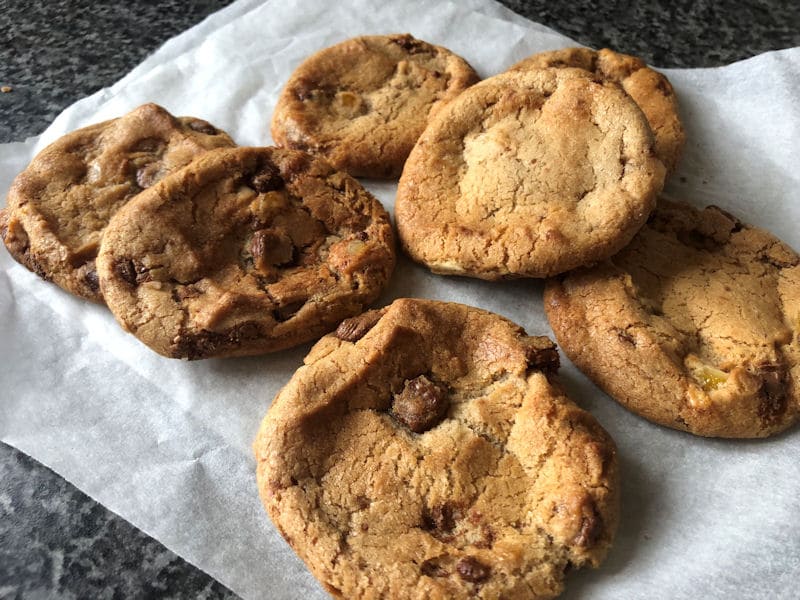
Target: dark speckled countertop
<point>55,542</point>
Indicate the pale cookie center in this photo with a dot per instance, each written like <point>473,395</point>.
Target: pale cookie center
<point>407,93</point>
<point>547,165</point>
<point>727,316</point>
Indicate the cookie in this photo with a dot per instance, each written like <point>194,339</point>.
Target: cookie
<point>650,89</point>
<point>528,174</point>
<point>364,102</point>
<point>426,450</point>
<point>60,204</point>
<point>694,325</point>
<point>244,251</point>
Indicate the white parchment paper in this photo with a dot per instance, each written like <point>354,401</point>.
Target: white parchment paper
<point>166,444</point>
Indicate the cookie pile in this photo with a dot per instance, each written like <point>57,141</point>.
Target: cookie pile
<point>58,208</point>
<point>198,247</point>
<point>427,449</point>
<point>245,251</point>
<point>389,462</point>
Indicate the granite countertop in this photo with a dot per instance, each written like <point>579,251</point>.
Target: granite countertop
<point>55,542</point>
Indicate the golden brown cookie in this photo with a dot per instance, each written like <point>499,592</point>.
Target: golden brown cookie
<point>364,102</point>
<point>60,204</point>
<point>694,325</point>
<point>650,89</point>
<point>528,174</point>
<point>426,450</point>
<point>244,251</point>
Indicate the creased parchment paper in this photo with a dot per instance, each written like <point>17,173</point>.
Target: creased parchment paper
<point>166,444</point>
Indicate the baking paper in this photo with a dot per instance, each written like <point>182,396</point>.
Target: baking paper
<point>166,444</point>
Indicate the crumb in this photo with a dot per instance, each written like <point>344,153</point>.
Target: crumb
<point>6,88</point>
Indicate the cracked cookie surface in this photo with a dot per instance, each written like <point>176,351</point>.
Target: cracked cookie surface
<point>651,90</point>
<point>60,205</point>
<point>434,455</point>
<point>528,175</point>
<point>364,102</point>
<point>694,325</point>
<point>245,251</point>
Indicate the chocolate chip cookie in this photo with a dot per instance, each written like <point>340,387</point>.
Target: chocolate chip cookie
<point>244,251</point>
<point>60,204</point>
<point>528,174</point>
<point>694,325</point>
<point>364,102</point>
<point>426,450</point>
<point>650,89</point>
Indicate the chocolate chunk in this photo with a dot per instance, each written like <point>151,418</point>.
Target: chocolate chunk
<point>590,530</point>
<point>91,279</point>
<point>34,265</point>
<point>125,270</point>
<point>201,126</point>
<point>207,343</point>
<point>772,393</point>
<point>591,526</point>
<point>148,175</point>
<point>421,405</point>
<point>287,311</point>
<point>541,354</point>
<point>353,329</point>
<point>626,337</point>
<point>779,262</point>
<point>664,87</point>
<point>305,89</point>
<point>267,179</point>
<point>435,567</point>
<point>410,44</point>
<point>440,519</point>
<point>248,330</point>
<point>779,257</point>
<point>199,345</point>
<point>271,248</point>
<point>131,271</point>
<point>16,240</point>
<point>471,569</point>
